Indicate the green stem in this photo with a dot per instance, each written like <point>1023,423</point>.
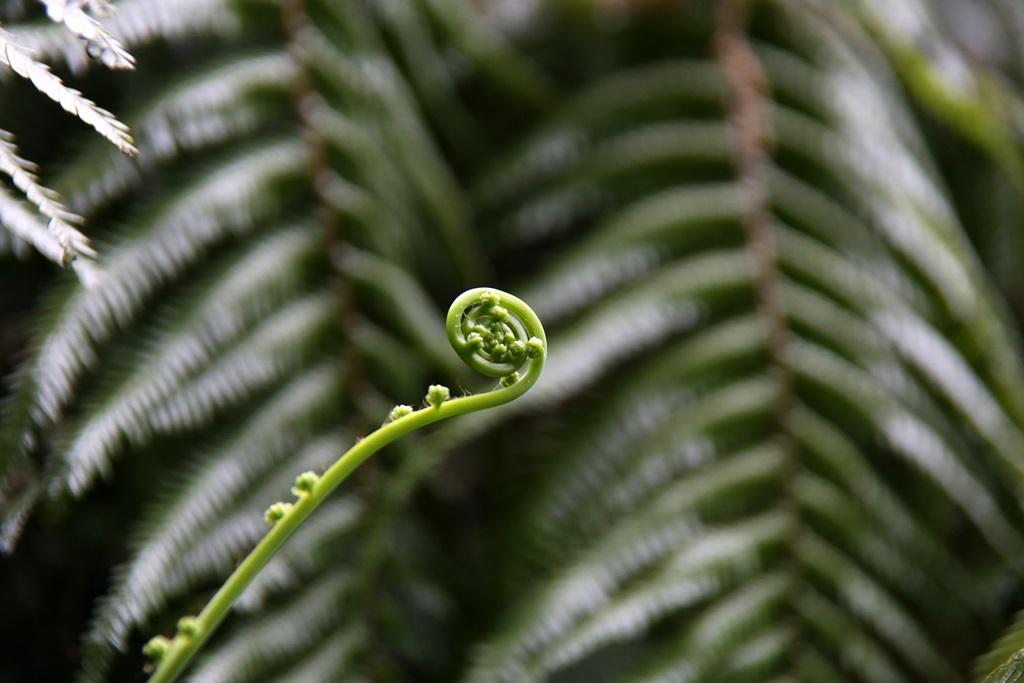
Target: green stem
<point>478,311</point>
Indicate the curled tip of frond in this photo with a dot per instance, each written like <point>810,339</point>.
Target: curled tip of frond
<point>437,394</point>
<point>305,482</point>
<point>495,333</point>
<point>276,512</point>
<point>398,412</point>
<point>156,648</point>
<point>188,627</point>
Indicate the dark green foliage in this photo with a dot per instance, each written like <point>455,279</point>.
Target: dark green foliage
<point>799,462</point>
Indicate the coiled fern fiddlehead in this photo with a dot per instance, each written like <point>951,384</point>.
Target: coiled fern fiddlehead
<point>495,333</point>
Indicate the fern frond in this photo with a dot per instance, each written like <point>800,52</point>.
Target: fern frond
<point>25,224</point>
<point>491,54</point>
<point>783,406</point>
<point>175,369</point>
<point>20,60</point>
<point>275,349</point>
<point>864,598</point>
<point>861,655</point>
<point>216,549</point>
<point>211,107</point>
<point>269,643</point>
<point>210,489</point>
<point>61,221</point>
<point>310,551</point>
<point>717,632</point>
<point>137,23</point>
<point>99,42</point>
<point>328,662</point>
<point>179,232</point>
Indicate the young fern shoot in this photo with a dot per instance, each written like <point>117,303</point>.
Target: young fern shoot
<point>494,333</point>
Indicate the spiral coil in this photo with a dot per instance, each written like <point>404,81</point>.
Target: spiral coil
<point>494,332</point>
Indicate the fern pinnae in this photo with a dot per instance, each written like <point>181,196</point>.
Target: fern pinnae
<point>271,642</point>
<point>176,234</point>
<point>672,448</point>
<point>21,62</point>
<point>407,180</point>
<point>825,445</point>
<point>838,515</point>
<point>422,53</point>
<point>217,104</point>
<point>136,23</point>
<point>61,221</point>
<point>415,153</point>
<point>231,304</point>
<point>495,333</point>
<point>923,187</point>
<point>406,304</point>
<point>758,658</point>
<point>25,225</point>
<point>949,372</point>
<point>861,654</point>
<point>99,42</point>
<point>598,178</point>
<point>273,350</point>
<point>704,648</point>
<point>872,604</point>
<point>216,549</point>
<point>328,662</point>
<point>593,117</point>
<point>912,438</point>
<point>204,492</point>
<point>308,553</point>
<point>667,528</point>
<point>668,302</point>
<point>631,242</point>
<point>712,568</point>
<point>500,62</point>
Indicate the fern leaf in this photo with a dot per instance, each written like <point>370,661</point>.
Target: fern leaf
<point>99,42</point>
<point>61,221</point>
<point>213,106</point>
<point>266,644</point>
<point>179,233</point>
<point>23,223</point>
<point>176,524</point>
<point>20,61</point>
<point>137,23</point>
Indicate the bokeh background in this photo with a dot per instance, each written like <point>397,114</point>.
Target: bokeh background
<point>776,245</point>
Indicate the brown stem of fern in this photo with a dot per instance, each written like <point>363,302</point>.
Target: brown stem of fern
<point>294,20</point>
<point>749,102</point>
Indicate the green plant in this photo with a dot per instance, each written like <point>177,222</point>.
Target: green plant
<point>494,333</point>
<point>59,239</point>
<point>776,248</point>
